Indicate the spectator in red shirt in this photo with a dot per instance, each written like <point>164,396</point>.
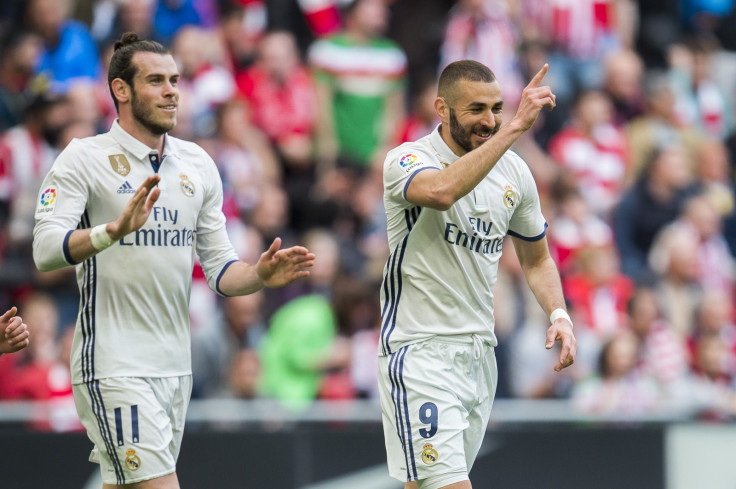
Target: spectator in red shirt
<point>594,150</point>
<point>282,98</point>
<point>599,292</point>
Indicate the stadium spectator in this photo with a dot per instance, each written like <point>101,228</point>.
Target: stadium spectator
<point>216,345</point>
<point>712,382</point>
<point>173,16</point>
<point>205,81</point>
<point>422,118</point>
<point>70,54</point>
<point>715,318</point>
<point>714,173</point>
<point>244,374</point>
<point>618,389</point>
<point>663,354</point>
<point>240,34</point>
<point>598,291</point>
<point>654,201</point>
<point>276,85</point>
<point>699,101</point>
<point>622,82</point>
<point>360,79</point>
<point>302,344</point>
<point>44,375</point>
<point>19,50</point>
<point>658,127</point>
<point>130,16</point>
<point>594,149</point>
<point>574,227</point>
<point>674,259</point>
<point>246,160</point>
<point>27,151</point>
<point>716,268</point>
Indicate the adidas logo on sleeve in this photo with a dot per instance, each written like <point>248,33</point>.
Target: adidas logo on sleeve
<point>126,188</point>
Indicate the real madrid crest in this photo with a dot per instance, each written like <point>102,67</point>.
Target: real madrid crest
<point>429,455</point>
<point>186,185</point>
<point>509,197</point>
<point>119,164</point>
<point>132,461</point>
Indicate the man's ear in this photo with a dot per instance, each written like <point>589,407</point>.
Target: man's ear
<point>441,108</point>
<point>121,90</point>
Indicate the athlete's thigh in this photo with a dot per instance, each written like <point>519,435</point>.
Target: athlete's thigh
<point>129,420</point>
<point>425,394</point>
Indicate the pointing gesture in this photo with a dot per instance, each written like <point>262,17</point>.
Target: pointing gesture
<point>534,83</point>
<point>533,98</point>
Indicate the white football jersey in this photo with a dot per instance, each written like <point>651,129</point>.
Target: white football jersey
<point>133,319</point>
<point>440,275</point>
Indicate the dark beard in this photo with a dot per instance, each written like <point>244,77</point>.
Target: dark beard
<point>459,134</point>
<point>141,114</point>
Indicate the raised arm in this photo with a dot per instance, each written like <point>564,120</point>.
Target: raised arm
<point>543,278</point>
<point>439,189</point>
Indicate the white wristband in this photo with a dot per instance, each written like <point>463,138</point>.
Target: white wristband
<point>559,313</point>
<point>100,239</point>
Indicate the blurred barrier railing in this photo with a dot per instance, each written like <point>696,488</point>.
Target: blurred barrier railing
<point>269,412</point>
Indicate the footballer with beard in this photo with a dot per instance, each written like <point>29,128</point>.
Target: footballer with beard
<point>451,197</point>
<point>129,209</point>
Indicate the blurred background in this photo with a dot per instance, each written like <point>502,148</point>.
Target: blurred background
<point>298,101</point>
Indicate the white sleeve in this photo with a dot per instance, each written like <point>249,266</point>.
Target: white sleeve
<point>213,245</point>
<point>527,221</point>
<point>61,202</point>
<point>400,167</point>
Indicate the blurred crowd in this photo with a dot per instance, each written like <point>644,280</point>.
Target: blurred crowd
<point>298,101</point>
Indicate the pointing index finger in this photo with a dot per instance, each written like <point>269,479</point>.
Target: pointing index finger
<point>538,77</point>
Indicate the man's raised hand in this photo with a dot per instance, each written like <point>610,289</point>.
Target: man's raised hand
<point>533,98</point>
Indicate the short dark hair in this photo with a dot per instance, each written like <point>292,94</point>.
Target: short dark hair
<point>465,69</point>
<point>121,63</point>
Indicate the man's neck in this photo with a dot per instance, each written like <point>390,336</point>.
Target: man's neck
<point>143,135</point>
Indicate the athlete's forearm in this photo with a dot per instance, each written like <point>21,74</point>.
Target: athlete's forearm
<point>541,273</point>
<point>544,281</point>
<point>240,278</point>
<point>81,246</point>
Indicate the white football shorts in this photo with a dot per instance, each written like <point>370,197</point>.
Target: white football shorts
<point>436,398</point>
<point>136,424</point>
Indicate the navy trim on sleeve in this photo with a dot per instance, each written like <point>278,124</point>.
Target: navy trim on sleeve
<point>219,277</point>
<point>406,187</point>
<point>65,247</point>
<point>526,238</point>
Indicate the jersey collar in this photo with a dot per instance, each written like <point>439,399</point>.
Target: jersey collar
<point>441,148</point>
<point>135,147</point>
